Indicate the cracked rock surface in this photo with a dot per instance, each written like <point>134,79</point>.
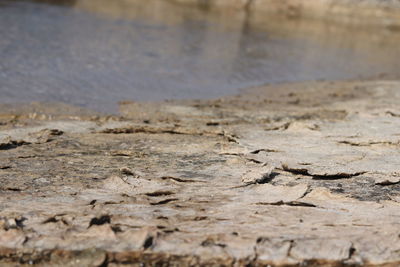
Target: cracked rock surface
<point>282,175</point>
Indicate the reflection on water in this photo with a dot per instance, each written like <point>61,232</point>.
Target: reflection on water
<point>95,53</point>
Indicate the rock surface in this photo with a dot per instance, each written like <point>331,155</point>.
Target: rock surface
<point>282,175</point>
<point>368,13</point>
<point>365,12</point>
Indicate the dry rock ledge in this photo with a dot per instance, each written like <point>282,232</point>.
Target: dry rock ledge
<point>362,12</point>
<point>291,175</point>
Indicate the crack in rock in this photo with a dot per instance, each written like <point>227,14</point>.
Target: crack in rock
<point>180,180</point>
<point>5,167</point>
<point>163,202</point>
<point>159,193</point>
<point>370,143</point>
<point>290,203</point>
<point>169,130</point>
<point>393,114</point>
<point>105,219</point>
<point>321,176</point>
<point>267,150</point>
<point>385,179</point>
<point>11,144</point>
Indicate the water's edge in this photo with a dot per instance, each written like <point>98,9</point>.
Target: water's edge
<point>95,53</point>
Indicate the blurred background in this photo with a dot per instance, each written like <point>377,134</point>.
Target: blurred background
<point>94,53</point>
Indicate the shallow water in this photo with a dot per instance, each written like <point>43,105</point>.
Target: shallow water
<point>96,53</point>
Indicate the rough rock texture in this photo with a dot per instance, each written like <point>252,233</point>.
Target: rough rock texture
<point>365,12</point>
<point>282,175</point>
<point>350,12</point>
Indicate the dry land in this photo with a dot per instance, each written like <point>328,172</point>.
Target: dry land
<point>284,175</point>
<point>368,13</point>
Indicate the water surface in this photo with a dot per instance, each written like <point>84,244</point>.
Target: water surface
<point>94,53</point>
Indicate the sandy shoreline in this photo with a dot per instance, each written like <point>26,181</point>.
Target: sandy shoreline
<point>282,175</point>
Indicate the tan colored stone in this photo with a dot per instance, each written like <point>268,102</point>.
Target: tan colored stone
<point>211,182</point>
